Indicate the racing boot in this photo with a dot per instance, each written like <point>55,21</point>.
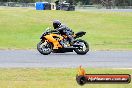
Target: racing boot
<point>63,44</point>
<point>71,40</point>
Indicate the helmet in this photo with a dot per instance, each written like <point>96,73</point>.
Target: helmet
<point>56,24</point>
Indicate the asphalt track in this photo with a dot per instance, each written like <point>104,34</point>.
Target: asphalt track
<point>32,58</point>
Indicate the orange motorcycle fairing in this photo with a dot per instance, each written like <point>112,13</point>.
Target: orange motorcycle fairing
<point>55,42</point>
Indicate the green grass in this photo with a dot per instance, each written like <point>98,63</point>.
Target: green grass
<point>20,28</point>
<point>51,77</point>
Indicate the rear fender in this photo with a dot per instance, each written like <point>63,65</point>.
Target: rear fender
<point>79,34</point>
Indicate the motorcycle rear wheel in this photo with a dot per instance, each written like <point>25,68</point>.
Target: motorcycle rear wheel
<point>83,49</point>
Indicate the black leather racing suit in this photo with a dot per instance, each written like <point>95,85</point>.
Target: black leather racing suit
<point>64,30</point>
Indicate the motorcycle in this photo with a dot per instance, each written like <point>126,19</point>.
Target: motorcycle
<point>50,42</point>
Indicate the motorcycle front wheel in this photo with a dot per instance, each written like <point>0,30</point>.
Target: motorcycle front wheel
<point>44,47</point>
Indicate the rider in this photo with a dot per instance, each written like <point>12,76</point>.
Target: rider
<point>64,30</point>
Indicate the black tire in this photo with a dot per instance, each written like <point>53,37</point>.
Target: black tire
<point>41,48</point>
<point>79,51</point>
<point>81,80</point>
